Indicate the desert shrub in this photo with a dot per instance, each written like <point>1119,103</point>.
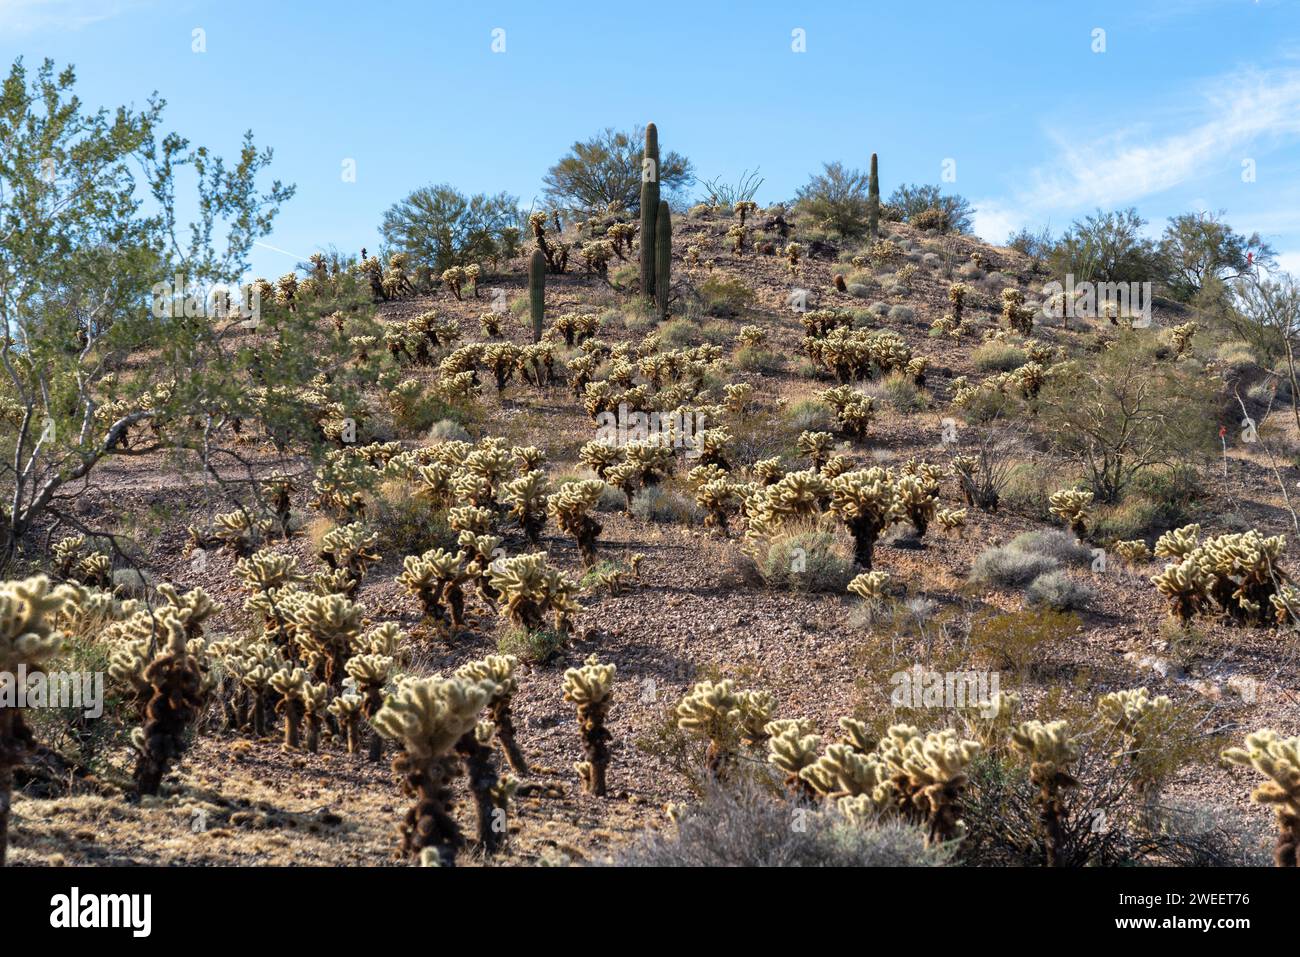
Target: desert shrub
<point>440,227</point>
<point>802,559</point>
<point>756,359</point>
<point>747,826</point>
<point>810,415</point>
<point>448,430</point>
<point>407,525</point>
<point>900,391</point>
<point>724,296</point>
<point>837,200</point>
<point>536,646</point>
<point>1002,814</point>
<point>1027,490</point>
<point>1019,640</point>
<point>1124,411</point>
<point>996,356</point>
<point>683,333</point>
<point>656,503</point>
<point>1055,544</point>
<point>901,314</point>
<point>1059,591</point>
<point>1007,567</point>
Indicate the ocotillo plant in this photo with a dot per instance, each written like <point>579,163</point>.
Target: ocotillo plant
<point>873,200</point>
<point>649,209</point>
<point>537,292</point>
<point>663,257</point>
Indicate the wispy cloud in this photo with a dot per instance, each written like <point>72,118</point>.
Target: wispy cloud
<point>31,16</point>
<point>1234,114</point>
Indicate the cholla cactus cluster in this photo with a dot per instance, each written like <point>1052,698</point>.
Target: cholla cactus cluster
<point>571,508</point>
<point>852,354</point>
<point>1240,573</point>
<point>853,409</point>
<point>530,589</point>
<point>1278,760</point>
<point>1139,722</point>
<point>29,639</point>
<point>725,717</point>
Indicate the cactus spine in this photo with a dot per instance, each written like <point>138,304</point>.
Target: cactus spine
<point>873,200</point>
<point>649,209</point>
<point>537,292</point>
<point>663,257</point>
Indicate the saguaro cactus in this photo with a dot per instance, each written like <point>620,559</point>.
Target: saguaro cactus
<point>873,200</point>
<point>649,209</point>
<point>537,292</point>
<point>663,257</point>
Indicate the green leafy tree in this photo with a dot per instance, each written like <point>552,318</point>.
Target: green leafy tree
<point>103,352</point>
<point>837,199</point>
<point>1200,247</point>
<point>911,200</point>
<point>1108,247</point>
<point>604,172</point>
<point>440,227</point>
<point>1124,411</point>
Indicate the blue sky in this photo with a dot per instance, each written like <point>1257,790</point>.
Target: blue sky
<point>1041,128</point>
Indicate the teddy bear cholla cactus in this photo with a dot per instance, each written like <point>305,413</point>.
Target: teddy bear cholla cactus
<point>526,496</point>
<point>570,507</point>
<point>178,687</point>
<point>325,627</point>
<point>500,670</point>
<point>427,717</point>
<point>1052,751</point>
<point>1239,572</point>
<point>1133,551</point>
<point>29,640</point>
<point>1071,506</point>
<point>291,684</point>
<point>793,745</point>
<point>1142,723</point>
<point>929,775</point>
<point>870,586</point>
<point>435,578</point>
<point>1277,759</point>
<point>723,715</point>
<point>530,589</point>
<point>590,688</point>
<point>867,503</point>
<point>350,549</point>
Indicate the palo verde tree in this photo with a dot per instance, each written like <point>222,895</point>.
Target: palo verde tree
<point>119,332</point>
<point>1124,411</point>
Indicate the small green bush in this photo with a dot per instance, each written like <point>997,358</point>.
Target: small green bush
<point>724,296</point>
<point>659,504</point>
<point>1059,592</point>
<point>1008,567</point>
<point>998,357</point>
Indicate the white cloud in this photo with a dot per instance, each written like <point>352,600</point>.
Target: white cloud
<point>1289,262</point>
<point>30,16</point>
<point>1259,110</point>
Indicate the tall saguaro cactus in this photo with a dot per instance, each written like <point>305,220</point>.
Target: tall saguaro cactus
<point>663,257</point>
<point>649,209</point>
<point>537,292</point>
<point>873,200</point>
